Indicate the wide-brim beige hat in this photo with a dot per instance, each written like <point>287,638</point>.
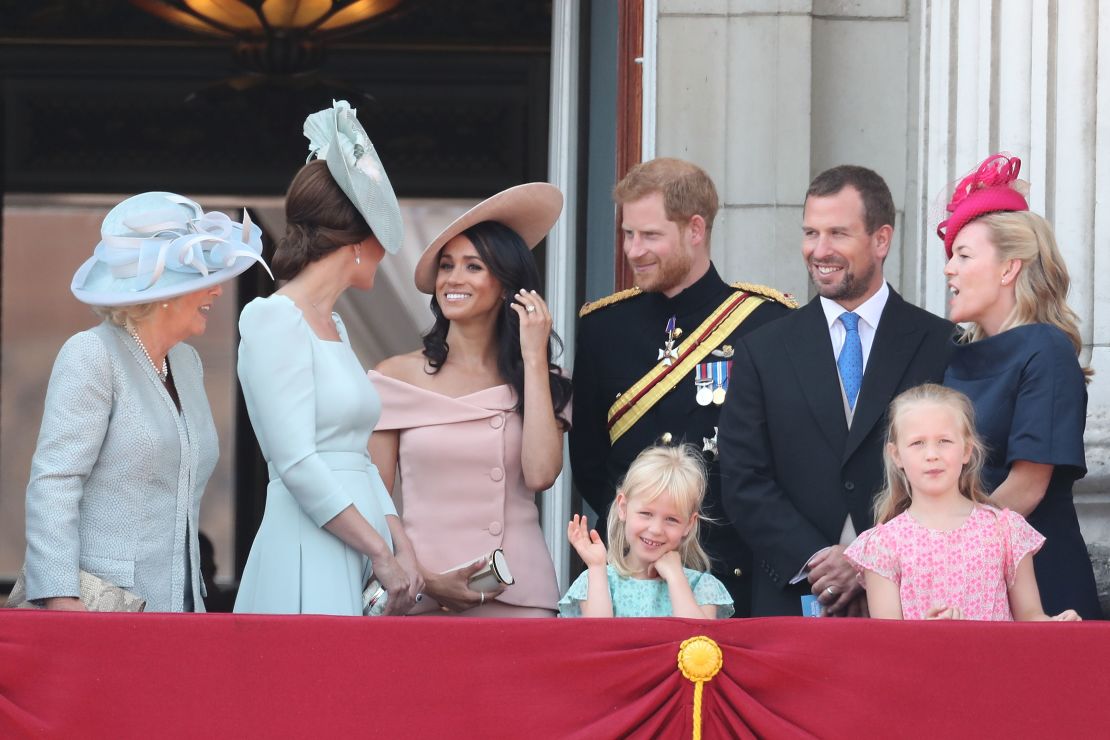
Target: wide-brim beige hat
<point>530,210</point>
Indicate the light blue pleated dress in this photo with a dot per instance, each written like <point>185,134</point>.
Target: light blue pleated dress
<point>312,408</point>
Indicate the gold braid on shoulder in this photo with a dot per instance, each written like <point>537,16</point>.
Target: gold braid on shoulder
<point>784,298</point>
<point>608,301</point>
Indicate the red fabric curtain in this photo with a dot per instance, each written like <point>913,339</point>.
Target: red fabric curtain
<point>166,675</point>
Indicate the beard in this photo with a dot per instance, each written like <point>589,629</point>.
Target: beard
<point>670,272</point>
<point>852,285</point>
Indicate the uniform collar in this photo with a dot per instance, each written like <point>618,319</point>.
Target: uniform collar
<point>706,291</point>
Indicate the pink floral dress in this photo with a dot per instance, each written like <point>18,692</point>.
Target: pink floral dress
<point>971,567</point>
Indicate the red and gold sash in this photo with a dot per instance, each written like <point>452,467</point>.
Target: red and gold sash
<point>631,406</point>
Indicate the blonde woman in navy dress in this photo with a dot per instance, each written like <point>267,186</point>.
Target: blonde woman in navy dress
<point>1018,362</point>
<point>329,522</point>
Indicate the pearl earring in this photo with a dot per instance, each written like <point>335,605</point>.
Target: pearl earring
<point>165,305</point>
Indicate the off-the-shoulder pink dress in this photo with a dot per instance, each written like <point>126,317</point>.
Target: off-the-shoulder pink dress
<point>971,567</point>
<point>462,488</point>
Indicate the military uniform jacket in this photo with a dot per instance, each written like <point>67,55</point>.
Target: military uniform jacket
<point>617,344</point>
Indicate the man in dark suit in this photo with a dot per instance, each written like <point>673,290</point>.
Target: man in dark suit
<point>667,210</point>
<point>801,438</point>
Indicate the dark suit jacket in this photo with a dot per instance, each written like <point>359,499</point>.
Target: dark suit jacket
<point>792,471</point>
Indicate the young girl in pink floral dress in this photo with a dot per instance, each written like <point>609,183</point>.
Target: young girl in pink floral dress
<point>941,550</point>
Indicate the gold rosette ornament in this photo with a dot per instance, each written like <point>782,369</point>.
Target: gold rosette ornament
<point>699,659</point>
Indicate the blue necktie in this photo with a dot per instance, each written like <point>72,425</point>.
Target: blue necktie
<point>850,362</point>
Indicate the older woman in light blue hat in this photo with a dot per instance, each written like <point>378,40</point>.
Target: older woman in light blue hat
<point>329,525</point>
<point>127,442</point>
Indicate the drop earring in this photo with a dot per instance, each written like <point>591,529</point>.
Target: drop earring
<point>358,255</point>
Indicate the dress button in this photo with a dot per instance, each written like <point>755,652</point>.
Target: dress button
<point>849,485</point>
<point>496,474</point>
<point>495,528</point>
<point>496,422</point>
<point>737,572</point>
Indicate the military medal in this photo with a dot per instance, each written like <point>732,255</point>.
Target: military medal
<point>669,354</point>
<point>720,381</point>
<point>725,351</point>
<point>709,445</point>
<point>703,385</point>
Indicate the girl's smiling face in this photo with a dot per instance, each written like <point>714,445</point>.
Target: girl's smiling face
<point>931,448</point>
<point>652,528</point>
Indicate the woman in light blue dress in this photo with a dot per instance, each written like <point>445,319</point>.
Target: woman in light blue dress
<point>329,522</point>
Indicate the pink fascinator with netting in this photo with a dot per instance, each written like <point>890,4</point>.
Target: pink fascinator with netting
<point>989,189</point>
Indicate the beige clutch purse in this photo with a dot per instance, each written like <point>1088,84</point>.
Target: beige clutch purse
<point>97,595</point>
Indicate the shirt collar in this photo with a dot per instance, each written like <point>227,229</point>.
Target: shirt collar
<point>870,310</point>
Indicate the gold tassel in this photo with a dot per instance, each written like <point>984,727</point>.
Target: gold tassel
<point>699,659</point>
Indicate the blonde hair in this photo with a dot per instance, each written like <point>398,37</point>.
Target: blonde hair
<point>677,472</point>
<point>1041,288</point>
<point>897,495</point>
<point>124,316</point>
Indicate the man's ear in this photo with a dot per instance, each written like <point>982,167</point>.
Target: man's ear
<point>883,236</point>
<point>695,227</point>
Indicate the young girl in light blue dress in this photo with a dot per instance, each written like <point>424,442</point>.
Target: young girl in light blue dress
<point>654,566</point>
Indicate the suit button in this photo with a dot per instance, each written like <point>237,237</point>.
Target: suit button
<point>849,485</point>
<point>496,474</point>
<point>496,422</point>
<point>737,572</point>
<point>495,528</point>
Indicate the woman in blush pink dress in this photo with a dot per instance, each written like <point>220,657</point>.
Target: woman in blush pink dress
<point>941,550</point>
<point>472,425</point>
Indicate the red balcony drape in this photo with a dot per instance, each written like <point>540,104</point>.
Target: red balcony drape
<point>210,676</point>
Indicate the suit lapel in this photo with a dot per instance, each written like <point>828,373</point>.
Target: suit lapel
<point>896,341</point>
<point>810,352</point>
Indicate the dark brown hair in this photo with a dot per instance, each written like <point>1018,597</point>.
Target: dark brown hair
<point>511,263</point>
<point>878,205</point>
<point>319,218</point>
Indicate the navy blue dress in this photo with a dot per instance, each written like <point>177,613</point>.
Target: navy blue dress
<point>1031,404</point>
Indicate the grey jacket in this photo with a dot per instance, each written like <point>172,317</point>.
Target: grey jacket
<point>118,473</point>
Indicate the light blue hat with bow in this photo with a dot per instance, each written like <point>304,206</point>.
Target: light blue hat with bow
<point>155,246</point>
<point>335,136</point>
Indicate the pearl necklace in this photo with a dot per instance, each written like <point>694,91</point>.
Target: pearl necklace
<point>165,371</point>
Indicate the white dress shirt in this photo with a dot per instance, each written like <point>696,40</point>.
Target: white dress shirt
<point>869,313</point>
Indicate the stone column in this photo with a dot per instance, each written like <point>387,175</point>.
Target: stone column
<point>734,96</point>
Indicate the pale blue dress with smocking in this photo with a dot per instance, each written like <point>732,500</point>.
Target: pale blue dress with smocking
<point>312,409</point>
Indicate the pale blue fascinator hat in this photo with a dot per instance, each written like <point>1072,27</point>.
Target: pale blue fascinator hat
<point>335,136</point>
<point>155,246</point>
